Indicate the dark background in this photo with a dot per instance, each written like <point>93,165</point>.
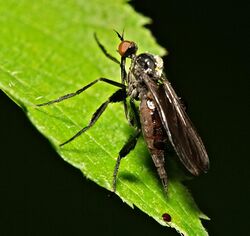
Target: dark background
<point>208,64</point>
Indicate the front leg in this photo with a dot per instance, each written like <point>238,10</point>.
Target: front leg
<point>118,96</point>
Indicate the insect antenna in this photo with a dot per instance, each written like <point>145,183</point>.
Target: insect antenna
<point>112,58</point>
<point>121,37</point>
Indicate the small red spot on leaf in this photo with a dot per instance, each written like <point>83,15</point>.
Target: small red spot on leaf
<point>166,217</point>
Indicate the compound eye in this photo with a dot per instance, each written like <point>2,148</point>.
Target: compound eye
<point>127,48</point>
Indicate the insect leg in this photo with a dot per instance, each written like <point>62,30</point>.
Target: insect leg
<point>132,115</point>
<point>135,121</point>
<point>118,96</point>
<point>123,79</point>
<point>129,146</point>
<point>105,51</point>
<point>122,64</point>
<point>83,89</point>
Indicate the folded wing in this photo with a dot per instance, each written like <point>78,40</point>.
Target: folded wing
<point>180,130</point>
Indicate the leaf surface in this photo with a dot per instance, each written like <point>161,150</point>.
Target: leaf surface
<point>47,49</point>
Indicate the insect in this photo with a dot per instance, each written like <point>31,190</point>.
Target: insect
<point>160,117</point>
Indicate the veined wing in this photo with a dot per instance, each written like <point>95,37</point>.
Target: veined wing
<point>180,130</point>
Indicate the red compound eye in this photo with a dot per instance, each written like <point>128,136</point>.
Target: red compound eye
<point>127,48</point>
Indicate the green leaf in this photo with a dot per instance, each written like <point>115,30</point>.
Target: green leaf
<point>47,49</point>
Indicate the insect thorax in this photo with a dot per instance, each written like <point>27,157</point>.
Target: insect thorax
<point>142,65</point>
<point>136,87</point>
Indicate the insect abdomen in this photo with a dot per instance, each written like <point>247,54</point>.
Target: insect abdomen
<point>154,135</point>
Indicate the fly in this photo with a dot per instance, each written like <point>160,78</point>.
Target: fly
<point>160,118</point>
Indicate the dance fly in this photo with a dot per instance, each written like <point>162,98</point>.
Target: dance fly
<point>160,118</point>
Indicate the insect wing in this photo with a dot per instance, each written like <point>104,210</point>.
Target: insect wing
<point>180,130</point>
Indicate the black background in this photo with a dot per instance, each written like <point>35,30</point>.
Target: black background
<point>208,64</point>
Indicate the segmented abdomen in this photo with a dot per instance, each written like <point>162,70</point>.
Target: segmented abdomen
<point>154,135</point>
